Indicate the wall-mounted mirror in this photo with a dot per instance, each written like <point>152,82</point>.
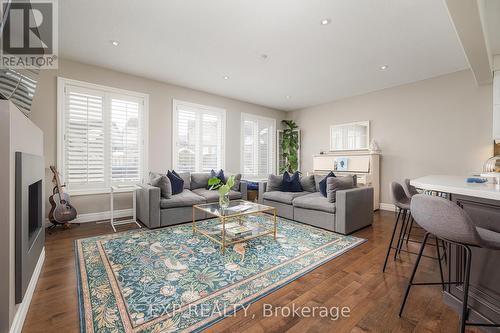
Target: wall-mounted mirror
<point>351,136</point>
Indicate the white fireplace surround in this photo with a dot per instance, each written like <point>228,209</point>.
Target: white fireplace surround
<point>17,133</point>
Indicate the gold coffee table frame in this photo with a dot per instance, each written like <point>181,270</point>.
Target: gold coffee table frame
<point>223,216</point>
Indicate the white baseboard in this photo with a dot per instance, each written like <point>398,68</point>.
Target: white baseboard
<point>387,206</point>
<point>100,216</point>
<point>22,310</point>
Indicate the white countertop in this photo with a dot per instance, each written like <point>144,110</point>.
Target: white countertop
<point>457,185</point>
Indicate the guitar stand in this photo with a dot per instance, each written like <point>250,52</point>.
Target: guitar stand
<point>65,226</point>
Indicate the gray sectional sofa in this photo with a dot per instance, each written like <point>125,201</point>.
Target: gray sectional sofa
<point>343,211</point>
<point>155,210</point>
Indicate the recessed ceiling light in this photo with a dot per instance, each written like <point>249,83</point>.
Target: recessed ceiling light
<point>115,42</point>
<point>288,96</point>
<point>326,21</point>
<point>225,77</point>
<point>264,56</point>
<point>383,67</point>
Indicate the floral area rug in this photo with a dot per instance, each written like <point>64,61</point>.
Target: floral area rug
<point>169,280</point>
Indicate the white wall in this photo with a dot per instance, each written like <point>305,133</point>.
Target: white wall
<point>160,119</point>
<point>441,125</point>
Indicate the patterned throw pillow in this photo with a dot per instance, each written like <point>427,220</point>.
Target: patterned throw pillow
<point>176,182</point>
<point>291,184</point>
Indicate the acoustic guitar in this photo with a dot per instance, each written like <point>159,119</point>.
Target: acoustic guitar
<point>61,211</point>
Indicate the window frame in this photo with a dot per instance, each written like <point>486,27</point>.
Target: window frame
<point>62,83</point>
<point>199,108</point>
<point>272,145</point>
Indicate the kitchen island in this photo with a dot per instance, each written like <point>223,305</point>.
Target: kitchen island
<point>482,203</point>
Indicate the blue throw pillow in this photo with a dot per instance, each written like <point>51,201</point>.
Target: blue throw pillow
<point>176,181</point>
<point>219,175</point>
<point>291,184</point>
<point>322,184</point>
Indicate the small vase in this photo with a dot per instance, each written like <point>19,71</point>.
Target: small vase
<point>224,200</point>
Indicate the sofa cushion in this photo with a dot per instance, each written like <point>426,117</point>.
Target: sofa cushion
<point>307,183</point>
<point>186,177</point>
<point>161,181</point>
<point>291,183</point>
<point>184,199</point>
<point>274,183</point>
<point>334,184</point>
<point>314,201</point>
<point>199,180</point>
<point>213,196</point>
<point>177,183</point>
<point>283,197</point>
<point>237,180</point>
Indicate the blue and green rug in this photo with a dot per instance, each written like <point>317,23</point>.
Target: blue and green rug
<point>168,280</point>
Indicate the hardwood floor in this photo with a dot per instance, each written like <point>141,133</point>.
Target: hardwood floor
<point>353,280</point>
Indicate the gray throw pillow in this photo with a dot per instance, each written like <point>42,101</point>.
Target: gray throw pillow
<point>199,180</point>
<point>274,183</point>
<point>308,184</point>
<point>186,177</point>
<point>237,181</point>
<point>317,180</point>
<point>162,182</point>
<point>334,184</point>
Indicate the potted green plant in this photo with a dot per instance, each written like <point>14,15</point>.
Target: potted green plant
<point>224,189</point>
<point>290,146</point>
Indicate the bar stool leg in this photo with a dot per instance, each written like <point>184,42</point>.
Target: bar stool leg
<point>392,239</point>
<point>465,311</point>
<point>409,231</point>
<point>439,261</point>
<point>413,273</point>
<point>410,219</point>
<point>403,225</point>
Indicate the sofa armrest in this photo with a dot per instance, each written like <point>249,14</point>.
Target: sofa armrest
<point>354,209</point>
<point>244,190</point>
<point>262,190</point>
<point>148,205</point>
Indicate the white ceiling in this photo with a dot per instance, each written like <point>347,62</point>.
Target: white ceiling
<point>194,43</point>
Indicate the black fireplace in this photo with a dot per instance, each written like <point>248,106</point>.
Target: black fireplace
<point>30,235</point>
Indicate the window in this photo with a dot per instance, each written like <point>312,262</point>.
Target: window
<point>102,140</point>
<point>258,139</point>
<point>198,137</point>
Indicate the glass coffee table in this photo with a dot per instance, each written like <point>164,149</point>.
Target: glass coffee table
<point>235,225</point>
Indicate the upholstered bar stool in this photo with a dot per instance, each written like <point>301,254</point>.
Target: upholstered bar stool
<point>402,203</point>
<point>410,191</point>
<point>447,221</point>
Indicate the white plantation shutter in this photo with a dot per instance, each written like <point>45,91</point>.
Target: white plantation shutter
<point>103,137</point>
<point>258,142</point>
<point>126,139</point>
<point>198,137</point>
<point>84,138</point>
